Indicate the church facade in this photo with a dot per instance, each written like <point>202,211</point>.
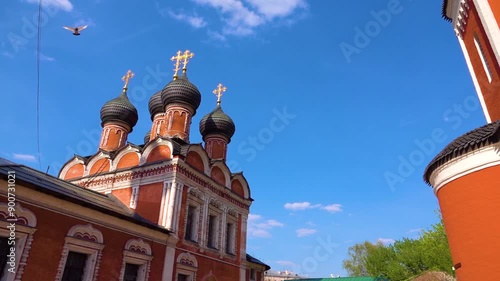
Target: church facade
<point>185,211</point>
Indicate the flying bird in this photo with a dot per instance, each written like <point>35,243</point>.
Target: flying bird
<point>76,30</point>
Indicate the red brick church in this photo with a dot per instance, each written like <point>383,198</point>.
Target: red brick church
<point>466,174</point>
<point>166,210</point>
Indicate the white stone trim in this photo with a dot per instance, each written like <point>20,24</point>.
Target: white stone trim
<point>244,184</point>
<point>204,157</point>
<point>79,239</point>
<point>225,170</point>
<point>124,151</point>
<point>152,145</point>
<point>490,25</point>
<point>474,80</point>
<point>137,252</point>
<point>196,202</point>
<point>94,159</point>
<point>466,164</point>
<point>187,265</point>
<point>24,239</point>
<point>70,165</point>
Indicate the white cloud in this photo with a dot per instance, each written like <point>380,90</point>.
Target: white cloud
<point>194,21</point>
<point>277,8</point>
<point>24,157</point>
<point>415,230</point>
<point>299,206</point>
<point>46,58</point>
<point>216,36</point>
<point>241,20</point>
<point>333,208</point>
<point>60,4</point>
<point>305,232</point>
<point>385,241</point>
<point>259,228</point>
<point>8,54</point>
<point>287,264</point>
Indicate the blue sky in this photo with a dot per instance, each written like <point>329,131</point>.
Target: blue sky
<point>339,105</point>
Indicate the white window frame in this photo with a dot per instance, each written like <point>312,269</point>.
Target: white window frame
<point>139,253</point>
<point>197,203</point>
<point>186,265</point>
<point>214,211</point>
<point>24,237</point>
<point>482,55</point>
<point>232,237</point>
<point>75,244</point>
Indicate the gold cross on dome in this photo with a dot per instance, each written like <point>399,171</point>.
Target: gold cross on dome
<point>219,91</point>
<point>177,59</point>
<point>127,78</point>
<point>186,56</point>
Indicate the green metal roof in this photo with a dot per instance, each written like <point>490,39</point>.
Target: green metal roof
<point>344,279</point>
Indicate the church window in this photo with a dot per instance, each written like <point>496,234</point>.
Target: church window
<point>230,237</point>
<point>212,231</point>
<point>75,266</point>
<point>482,55</point>
<point>137,258</point>
<point>191,219</point>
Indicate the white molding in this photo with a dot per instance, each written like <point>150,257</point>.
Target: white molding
<point>137,252</point>
<point>69,165</point>
<point>152,145</point>
<point>83,230</point>
<point>138,245</point>
<point>203,155</point>
<point>24,239</point>
<point>466,164</point>
<point>74,242</point>
<point>124,151</point>
<point>474,80</point>
<point>225,170</point>
<point>490,25</point>
<point>92,162</point>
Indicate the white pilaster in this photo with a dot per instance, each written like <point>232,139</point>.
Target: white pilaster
<point>223,230</point>
<point>243,237</point>
<point>204,219</point>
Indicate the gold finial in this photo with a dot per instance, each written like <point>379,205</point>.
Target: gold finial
<point>127,78</point>
<point>177,58</point>
<point>219,91</point>
<point>186,56</point>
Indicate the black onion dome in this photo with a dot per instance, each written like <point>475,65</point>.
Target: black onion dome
<point>155,105</point>
<point>181,90</point>
<point>119,109</point>
<point>217,122</point>
<point>147,137</point>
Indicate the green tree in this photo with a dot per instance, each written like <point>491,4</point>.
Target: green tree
<point>403,259</point>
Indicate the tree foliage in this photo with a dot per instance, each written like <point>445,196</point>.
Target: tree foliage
<point>404,259</point>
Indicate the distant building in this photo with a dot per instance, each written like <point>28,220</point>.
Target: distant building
<point>272,275</point>
<point>465,175</point>
<point>476,24</point>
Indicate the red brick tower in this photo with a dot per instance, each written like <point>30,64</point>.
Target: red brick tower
<point>465,178</point>
<point>465,175</point>
<point>476,23</point>
<point>180,100</point>
<point>217,128</point>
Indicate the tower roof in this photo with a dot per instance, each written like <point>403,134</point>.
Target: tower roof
<point>471,141</point>
<point>155,105</point>
<point>217,122</point>
<point>120,109</point>
<point>180,90</point>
